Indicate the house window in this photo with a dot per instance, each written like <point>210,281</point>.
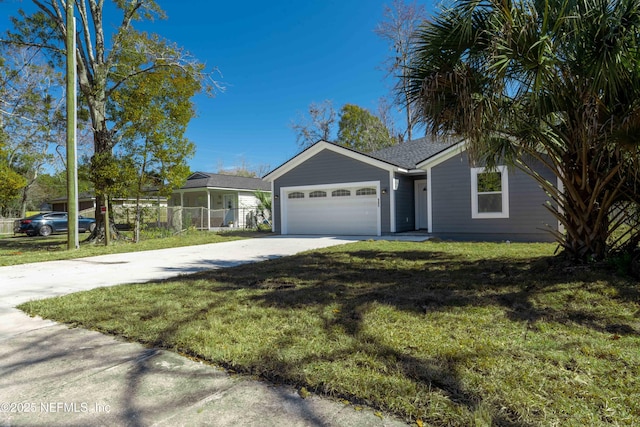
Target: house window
<point>318,194</point>
<point>490,192</point>
<point>296,195</point>
<point>366,192</point>
<point>340,193</point>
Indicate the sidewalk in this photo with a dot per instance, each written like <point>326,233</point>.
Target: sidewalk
<point>51,375</point>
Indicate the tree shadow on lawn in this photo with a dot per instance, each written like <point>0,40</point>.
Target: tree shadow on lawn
<point>23,243</point>
<point>433,374</point>
<point>417,282</point>
<point>421,282</point>
<point>410,281</point>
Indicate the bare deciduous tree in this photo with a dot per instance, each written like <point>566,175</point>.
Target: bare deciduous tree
<point>30,112</point>
<point>401,20</point>
<point>316,125</point>
<point>244,168</point>
<point>384,113</point>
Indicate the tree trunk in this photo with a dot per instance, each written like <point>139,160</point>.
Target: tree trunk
<point>98,235</point>
<point>586,231</point>
<point>589,201</point>
<point>100,163</point>
<point>23,201</point>
<point>136,227</point>
<point>25,193</point>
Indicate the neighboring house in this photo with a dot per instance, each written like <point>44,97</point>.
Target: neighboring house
<point>85,201</point>
<point>88,201</point>
<point>417,185</point>
<point>229,199</point>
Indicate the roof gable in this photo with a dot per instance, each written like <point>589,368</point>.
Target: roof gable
<point>443,155</point>
<point>409,154</point>
<point>404,157</point>
<point>198,175</point>
<point>324,145</point>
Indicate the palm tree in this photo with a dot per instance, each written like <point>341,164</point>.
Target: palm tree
<point>264,206</point>
<point>555,81</point>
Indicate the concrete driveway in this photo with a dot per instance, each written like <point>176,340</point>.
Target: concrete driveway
<point>52,375</point>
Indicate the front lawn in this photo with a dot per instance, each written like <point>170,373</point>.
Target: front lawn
<point>438,333</point>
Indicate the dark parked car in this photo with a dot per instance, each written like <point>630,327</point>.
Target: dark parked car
<point>51,222</point>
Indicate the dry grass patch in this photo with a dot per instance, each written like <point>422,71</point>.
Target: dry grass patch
<point>22,249</point>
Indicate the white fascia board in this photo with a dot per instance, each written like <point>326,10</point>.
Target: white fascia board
<point>249,190</point>
<point>196,189</point>
<point>443,156</point>
<point>324,145</point>
<point>415,172</point>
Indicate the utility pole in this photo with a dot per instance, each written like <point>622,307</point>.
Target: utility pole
<point>107,222</point>
<point>72,162</point>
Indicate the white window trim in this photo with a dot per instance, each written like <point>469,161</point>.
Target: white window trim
<point>504,175</point>
<point>297,193</point>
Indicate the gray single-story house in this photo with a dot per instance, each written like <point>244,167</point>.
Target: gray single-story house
<point>416,185</point>
<point>230,200</point>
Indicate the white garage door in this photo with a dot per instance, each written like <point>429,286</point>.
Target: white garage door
<point>341,210</point>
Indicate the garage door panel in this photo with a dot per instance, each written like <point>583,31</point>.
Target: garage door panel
<point>347,215</point>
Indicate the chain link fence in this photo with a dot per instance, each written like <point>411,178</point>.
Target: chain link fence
<point>7,226</point>
<point>177,218</point>
<point>172,218</point>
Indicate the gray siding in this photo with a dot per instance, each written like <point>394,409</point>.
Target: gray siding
<point>405,204</point>
<point>451,206</point>
<point>328,167</point>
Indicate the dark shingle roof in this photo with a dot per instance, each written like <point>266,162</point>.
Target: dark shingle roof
<point>214,180</point>
<point>408,154</point>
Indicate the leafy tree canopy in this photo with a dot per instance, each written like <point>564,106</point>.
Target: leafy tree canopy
<point>111,56</point>
<point>11,182</point>
<point>361,130</point>
<point>357,127</point>
<point>156,107</point>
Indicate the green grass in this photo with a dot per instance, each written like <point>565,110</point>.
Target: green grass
<point>445,333</point>
<point>22,249</point>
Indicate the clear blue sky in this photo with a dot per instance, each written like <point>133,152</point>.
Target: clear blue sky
<point>275,58</point>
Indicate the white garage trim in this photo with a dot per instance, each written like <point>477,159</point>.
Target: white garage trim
<point>392,202</point>
<point>284,200</point>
